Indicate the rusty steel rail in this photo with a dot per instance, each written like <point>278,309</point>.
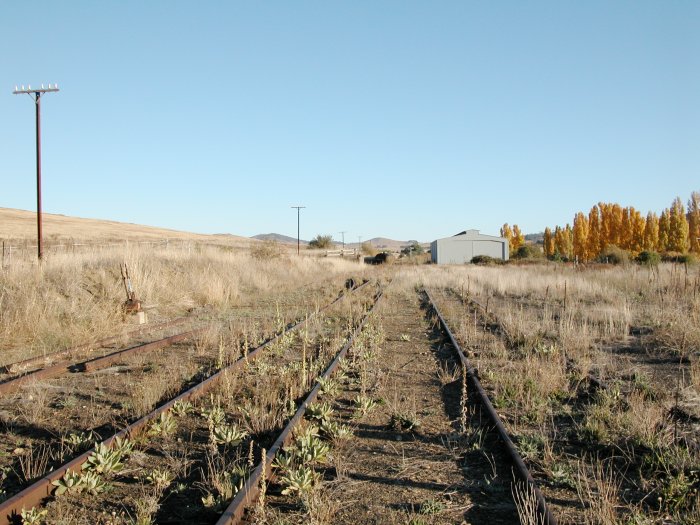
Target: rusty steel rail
<point>64,367</point>
<point>19,366</point>
<point>520,467</point>
<point>251,490</point>
<point>58,369</point>
<point>33,495</point>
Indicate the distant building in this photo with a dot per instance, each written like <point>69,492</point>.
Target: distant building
<point>462,247</point>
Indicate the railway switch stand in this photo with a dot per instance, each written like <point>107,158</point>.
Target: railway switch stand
<point>132,305</point>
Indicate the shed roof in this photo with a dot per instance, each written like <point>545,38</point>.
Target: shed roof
<point>475,235</point>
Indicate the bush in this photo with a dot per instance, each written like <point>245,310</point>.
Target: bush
<point>270,249</point>
<point>649,258</point>
<point>412,249</point>
<point>614,255</point>
<point>558,257</point>
<point>485,260</point>
<point>527,251</point>
<point>368,249</point>
<point>321,242</point>
<point>680,258</point>
<point>384,258</point>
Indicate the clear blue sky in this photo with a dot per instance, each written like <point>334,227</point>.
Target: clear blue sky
<point>405,119</point>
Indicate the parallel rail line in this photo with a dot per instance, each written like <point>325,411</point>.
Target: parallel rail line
<point>89,365</point>
<point>235,512</point>
<point>20,366</point>
<point>522,471</point>
<point>43,488</point>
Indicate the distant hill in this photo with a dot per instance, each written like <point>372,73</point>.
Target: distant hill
<point>383,243</point>
<point>278,237</point>
<point>535,237</point>
<point>380,243</point>
<point>20,225</point>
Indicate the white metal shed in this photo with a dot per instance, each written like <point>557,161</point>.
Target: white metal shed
<point>461,248</point>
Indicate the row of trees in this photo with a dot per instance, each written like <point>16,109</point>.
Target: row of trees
<point>608,224</point>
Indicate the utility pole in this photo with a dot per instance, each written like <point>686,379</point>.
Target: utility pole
<point>36,94</point>
<point>299,208</point>
<point>343,234</point>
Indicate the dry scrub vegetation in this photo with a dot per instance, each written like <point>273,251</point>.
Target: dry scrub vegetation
<point>73,298</point>
<point>626,452</point>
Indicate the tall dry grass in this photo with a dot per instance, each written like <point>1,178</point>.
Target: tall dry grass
<point>73,298</point>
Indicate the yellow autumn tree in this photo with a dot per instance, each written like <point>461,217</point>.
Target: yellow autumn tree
<point>580,237</point>
<point>548,243</point>
<point>664,231</point>
<point>694,222</point>
<point>559,242</point>
<point>637,223</point>
<point>507,233</point>
<point>569,239</point>
<point>678,228</point>
<point>593,241</point>
<point>624,237</point>
<point>616,218</point>
<point>651,232</point>
<point>518,238</point>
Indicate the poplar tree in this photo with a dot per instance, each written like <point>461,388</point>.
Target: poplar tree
<point>569,242</point>
<point>507,233</point>
<point>651,232</point>
<point>694,222</point>
<point>607,225</point>
<point>664,231</point>
<point>518,238</point>
<point>580,237</point>
<point>625,234</point>
<point>593,241</point>
<point>637,224</point>
<point>616,225</point>
<point>678,228</point>
<point>548,243</point>
<point>559,242</point>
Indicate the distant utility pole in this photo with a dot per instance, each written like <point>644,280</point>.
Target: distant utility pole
<point>299,208</point>
<point>343,234</point>
<point>36,94</point>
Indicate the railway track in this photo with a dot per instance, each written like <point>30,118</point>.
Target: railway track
<point>544,514</point>
<point>32,495</point>
<point>42,361</point>
<point>249,494</point>
<point>440,467</point>
<point>628,428</point>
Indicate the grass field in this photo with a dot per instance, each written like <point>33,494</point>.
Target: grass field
<point>594,369</point>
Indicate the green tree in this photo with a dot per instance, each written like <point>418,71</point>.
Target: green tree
<point>321,242</point>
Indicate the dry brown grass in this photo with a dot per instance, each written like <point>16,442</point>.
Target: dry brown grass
<point>563,323</point>
<point>76,298</point>
<point>598,489</point>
